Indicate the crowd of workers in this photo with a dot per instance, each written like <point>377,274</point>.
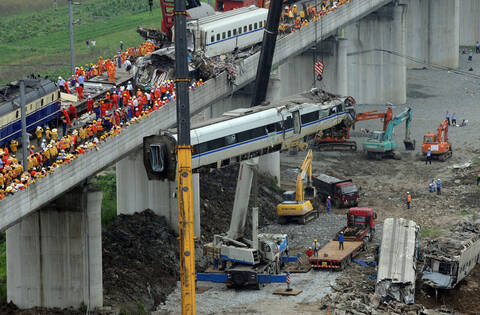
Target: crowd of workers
<point>120,108</point>
<point>75,85</point>
<point>294,18</point>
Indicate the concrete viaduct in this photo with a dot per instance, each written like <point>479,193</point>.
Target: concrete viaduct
<point>54,255</point>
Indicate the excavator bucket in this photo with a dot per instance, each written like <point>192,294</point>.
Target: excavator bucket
<point>409,144</point>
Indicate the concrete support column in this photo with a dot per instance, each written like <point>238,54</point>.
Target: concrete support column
<point>296,74</point>
<point>54,256</point>
<point>443,28</point>
<point>398,63</point>
<point>270,164</point>
<point>469,22</point>
<point>135,192</point>
<point>342,72</point>
<point>376,73</point>
<point>417,33</point>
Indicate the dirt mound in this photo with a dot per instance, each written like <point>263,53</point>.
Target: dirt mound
<point>217,193</point>
<point>140,261</point>
<point>12,309</point>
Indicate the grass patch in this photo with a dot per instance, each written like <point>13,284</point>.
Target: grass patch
<point>108,184</point>
<point>46,51</point>
<point>431,232</point>
<point>464,212</point>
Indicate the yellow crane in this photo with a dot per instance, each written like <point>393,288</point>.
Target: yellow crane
<point>294,207</point>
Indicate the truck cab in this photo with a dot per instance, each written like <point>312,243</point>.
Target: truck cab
<point>360,223</point>
<point>347,194</point>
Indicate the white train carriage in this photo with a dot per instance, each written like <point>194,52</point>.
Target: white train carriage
<point>225,32</point>
<point>261,131</point>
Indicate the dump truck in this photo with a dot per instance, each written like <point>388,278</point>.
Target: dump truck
<point>343,192</point>
<point>359,230</point>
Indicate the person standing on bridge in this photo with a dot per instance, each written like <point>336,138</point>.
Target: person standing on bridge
<point>72,110</point>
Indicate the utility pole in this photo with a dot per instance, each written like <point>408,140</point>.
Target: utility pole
<point>72,48</point>
<point>24,125</point>
<point>184,164</point>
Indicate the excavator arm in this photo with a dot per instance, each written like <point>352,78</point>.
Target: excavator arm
<point>305,170</point>
<point>403,116</point>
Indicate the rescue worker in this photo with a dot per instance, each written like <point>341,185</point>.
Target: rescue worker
<point>328,204</point>
<point>408,199</point>
<point>316,247</point>
<point>340,240</point>
<point>13,146</point>
<point>429,157</point>
<point>90,104</point>
<point>431,186</point>
<point>72,111</point>
<point>48,133</point>
<point>439,187</point>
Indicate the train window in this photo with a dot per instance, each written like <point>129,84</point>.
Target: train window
<point>289,123</point>
<point>323,113</point>
<point>17,113</point>
<point>270,128</point>
<point>31,106</point>
<point>224,35</point>
<point>201,148</point>
<point>212,39</point>
<point>258,132</point>
<point>231,139</point>
<point>218,36</point>
<point>239,30</point>
<point>215,144</point>
<point>261,24</point>
<point>444,268</point>
<point>41,102</point>
<point>306,118</point>
<point>58,94</point>
<point>243,136</point>
<point>245,29</point>
<point>234,31</point>
<point>255,25</point>
<point>52,97</point>
<point>229,34</point>
<point>250,27</point>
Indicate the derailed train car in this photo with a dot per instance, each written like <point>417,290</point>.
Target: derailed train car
<point>398,258</point>
<point>42,99</point>
<point>450,258</point>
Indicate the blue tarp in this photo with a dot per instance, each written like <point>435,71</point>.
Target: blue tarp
<point>364,263</point>
<point>438,279</point>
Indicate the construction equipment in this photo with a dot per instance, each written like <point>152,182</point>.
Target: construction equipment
<point>359,230</point>
<point>296,205</point>
<point>343,192</point>
<point>246,263</point>
<point>337,138</point>
<point>380,144</point>
<point>438,143</point>
<point>168,14</point>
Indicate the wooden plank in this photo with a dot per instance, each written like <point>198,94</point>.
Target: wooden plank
<point>331,251</point>
<point>285,292</point>
<point>295,269</point>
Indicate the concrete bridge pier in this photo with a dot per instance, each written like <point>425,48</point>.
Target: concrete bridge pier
<point>54,256</point>
<point>469,22</point>
<point>376,63</point>
<point>135,192</point>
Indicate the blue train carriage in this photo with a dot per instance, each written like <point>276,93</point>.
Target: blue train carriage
<point>42,99</point>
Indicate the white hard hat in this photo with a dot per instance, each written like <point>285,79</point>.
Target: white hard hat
<point>408,192</point>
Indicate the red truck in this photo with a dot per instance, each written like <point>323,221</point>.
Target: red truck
<point>344,192</point>
<point>359,230</point>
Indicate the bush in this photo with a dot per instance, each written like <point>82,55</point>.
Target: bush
<point>108,184</point>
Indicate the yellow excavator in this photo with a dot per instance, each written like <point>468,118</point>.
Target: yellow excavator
<point>296,205</point>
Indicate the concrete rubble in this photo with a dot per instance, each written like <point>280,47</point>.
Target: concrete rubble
<point>453,243</point>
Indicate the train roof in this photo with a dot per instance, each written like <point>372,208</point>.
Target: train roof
<point>212,19</point>
<point>34,89</point>
<point>314,96</point>
<point>460,237</point>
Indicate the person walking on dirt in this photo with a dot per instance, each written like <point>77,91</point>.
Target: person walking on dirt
<point>316,247</point>
<point>429,157</point>
<point>340,240</point>
<point>431,187</point>
<point>408,199</point>
<point>439,187</point>
<point>328,204</point>
<point>447,117</point>
<point>477,47</point>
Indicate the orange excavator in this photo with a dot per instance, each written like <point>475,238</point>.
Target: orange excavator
<point>337,138</point>
<point>438,143</point>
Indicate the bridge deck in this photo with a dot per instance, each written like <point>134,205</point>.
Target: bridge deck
<point>14,208</point>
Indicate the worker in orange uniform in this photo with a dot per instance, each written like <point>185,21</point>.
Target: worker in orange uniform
<point>72,111</point>
<point>115,100</point>
<point>90,104</point>
<point>408,199</point>
<point>100,66</point>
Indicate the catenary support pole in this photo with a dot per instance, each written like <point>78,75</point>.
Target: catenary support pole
<point>184,164</point>
<point>24,125</point>
<point>72,48</point>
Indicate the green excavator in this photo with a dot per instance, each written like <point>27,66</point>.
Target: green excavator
<point>380,144</point>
